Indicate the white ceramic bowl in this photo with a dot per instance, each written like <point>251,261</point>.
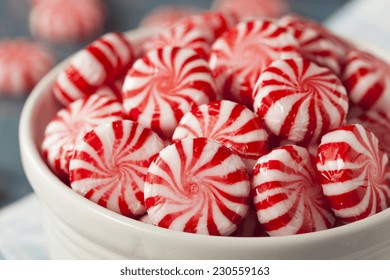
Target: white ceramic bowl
<point>77,228</point>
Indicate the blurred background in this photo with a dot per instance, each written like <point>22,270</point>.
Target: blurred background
<point>122,15</point>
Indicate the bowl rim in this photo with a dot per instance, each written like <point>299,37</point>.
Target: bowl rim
<point>31,151</point>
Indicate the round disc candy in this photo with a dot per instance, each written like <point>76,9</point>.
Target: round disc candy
<point>229,123</point>
<point>287,193</point>
<point>367,79</point>
<point>110,163</point>
<point>243,52</point>
<point>102,62</point>
<point>69,126</point>
<point>67,21</point>
<point>313,45</point>
<point>22,64</point>
<point>184,34</point>
<point>198,186</point>
<point>299,100</point>
<point>355,174</point>
<point>164,85</point>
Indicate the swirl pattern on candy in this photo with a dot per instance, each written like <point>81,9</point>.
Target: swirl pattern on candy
<point>229,123</point>
<point>184,34</point>
<point>69,126</point>
<point>164,85</point>
<point>378,123</point>
<point>102,62</point>
<point>313,45</point>
<point>252,8</point>
<point>299,100</point>
<point>22,64</point>
<point>355,174</point>
<point>198,186</point>
<point>50,20</point>
<point>287,193</point>
<point>367,80</point>
<point>243,52</point>
<point>110,164</point>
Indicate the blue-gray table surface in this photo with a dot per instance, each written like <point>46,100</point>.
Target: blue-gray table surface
<point>123,15</point>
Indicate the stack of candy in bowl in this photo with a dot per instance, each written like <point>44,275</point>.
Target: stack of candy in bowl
<point>226,122</point>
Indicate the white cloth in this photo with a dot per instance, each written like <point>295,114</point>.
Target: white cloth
<point>21,231</point>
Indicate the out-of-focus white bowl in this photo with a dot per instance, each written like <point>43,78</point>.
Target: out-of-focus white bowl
<point>77,228</point>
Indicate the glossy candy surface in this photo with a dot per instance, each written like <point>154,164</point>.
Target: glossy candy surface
<point>355,174</point>
<point>367,79</point>
<point>287,193</point>
<point>198,186</point>
<point>69,126</point>
<point>110,164</point>
<point>164,85</point>
<point>299,100</point>
<point>229,123</point>
<point>101,63</point>
<point>242,53</point>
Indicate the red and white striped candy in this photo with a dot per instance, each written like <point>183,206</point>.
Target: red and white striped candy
<point>367,79</point>
<point>198,186</point>
<point>69,126</point>
<point>355,174</point>
<point>100,63</point>
<point>110,164</point>
<point>165,16</point>
<point>22,64</point>
<point>67,21</point>
<point>313,45</point>
<point>287,193</point>
<point>252,8</point>
<point>299,100</point>
<point>339,46</point>
<point>229,123</point>
<point>184,34</point>
<point>378,123</point>
<point>216,22</point>
<point>113,90</point>
<point>242,53</point>
<point>164,85</point>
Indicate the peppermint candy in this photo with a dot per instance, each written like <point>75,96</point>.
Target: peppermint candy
<point>22,64</point>
<point>101,63</point>
<point>287,193</point>
<point>299,100</point>
<point>367,80</point>
<point>313,45</point>
<point>378,123</point>
<point>245,9</point>
<point>239,56</point>
<point>69,126</point>
<point>229,123</point>
<point>184,34</point>
<point>164,85</point>
<point>355,173</point>
<point>110,164</point>
<point>198,186</point>
<point>67,21</point>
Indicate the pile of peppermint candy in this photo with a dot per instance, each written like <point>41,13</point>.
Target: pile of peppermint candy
<point>225,124</point>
